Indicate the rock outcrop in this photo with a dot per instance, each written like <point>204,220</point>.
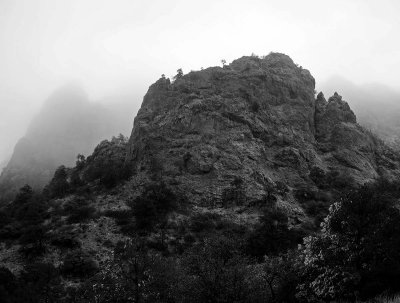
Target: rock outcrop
<point>376,105</point>
<point>257,120</point>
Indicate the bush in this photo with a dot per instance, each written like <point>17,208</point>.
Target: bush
<point>79,210</point>
<point>254,106</point>
<point>235,194</point>
<point>275,278</point>
<point>116,214</point>
<point>33,241</point>
<point>124,219</point>
<point>272,236</point>
<point>41,283</point>
<point>78,264</point>
<point>66,242</point>
<point>8,286</point>
<point>4,218</point>
<point>153,206</point>
<point>332,179</point>
<point>24,195</point>
<point>340,180</point>
<point>10,232</point>
<point>318,176</point>
<point>25,218</point>
<point>204,222</point>
<point>305,194</point>
<point>75,180</point>
<point>58,186</point>
<point>316,209</point>
<point>281,188</point>
<point>357,254</point>
<point>32,213</point>
<point>214,271</point>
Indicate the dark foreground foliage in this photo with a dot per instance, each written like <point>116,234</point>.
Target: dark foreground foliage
<point>355,256</point>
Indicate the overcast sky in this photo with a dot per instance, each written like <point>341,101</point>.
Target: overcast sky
<point>123,46</point>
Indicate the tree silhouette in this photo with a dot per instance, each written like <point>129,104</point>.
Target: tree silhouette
<point>151,209</point>
<point>58,186</point>
<point>179,74</point>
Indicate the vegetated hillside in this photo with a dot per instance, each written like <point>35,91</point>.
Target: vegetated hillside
<point>377,107</point>
<point>226,172</point>
<point>68,125</point>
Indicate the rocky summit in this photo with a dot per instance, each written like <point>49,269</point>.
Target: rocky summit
<point>255,124</point>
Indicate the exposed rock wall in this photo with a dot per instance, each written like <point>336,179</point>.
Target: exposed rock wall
<point>255,119</point>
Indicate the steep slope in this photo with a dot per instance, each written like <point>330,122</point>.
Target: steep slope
<point>68,125</point>
<point>255,121</point>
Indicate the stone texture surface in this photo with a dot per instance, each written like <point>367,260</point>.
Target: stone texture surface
<point>256,119</point>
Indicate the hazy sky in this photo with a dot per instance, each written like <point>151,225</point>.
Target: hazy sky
<point>116,45</point>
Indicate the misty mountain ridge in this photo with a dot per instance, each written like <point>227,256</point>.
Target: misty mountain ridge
<point>67,125</point>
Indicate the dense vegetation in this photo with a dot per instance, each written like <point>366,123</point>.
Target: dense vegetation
<point>355,256</point>
<point>170,252</point>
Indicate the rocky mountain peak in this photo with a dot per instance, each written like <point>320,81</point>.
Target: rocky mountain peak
<point>276,60</point>
<point>329,114</point>
<point>256,120</point>
<point>340,109</point>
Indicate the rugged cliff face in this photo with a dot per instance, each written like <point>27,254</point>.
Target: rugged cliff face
<point>255,124</point>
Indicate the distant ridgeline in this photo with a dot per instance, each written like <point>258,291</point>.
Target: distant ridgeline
<point>68,125</point>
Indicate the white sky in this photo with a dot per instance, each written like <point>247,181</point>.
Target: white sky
<point>117,45</point>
